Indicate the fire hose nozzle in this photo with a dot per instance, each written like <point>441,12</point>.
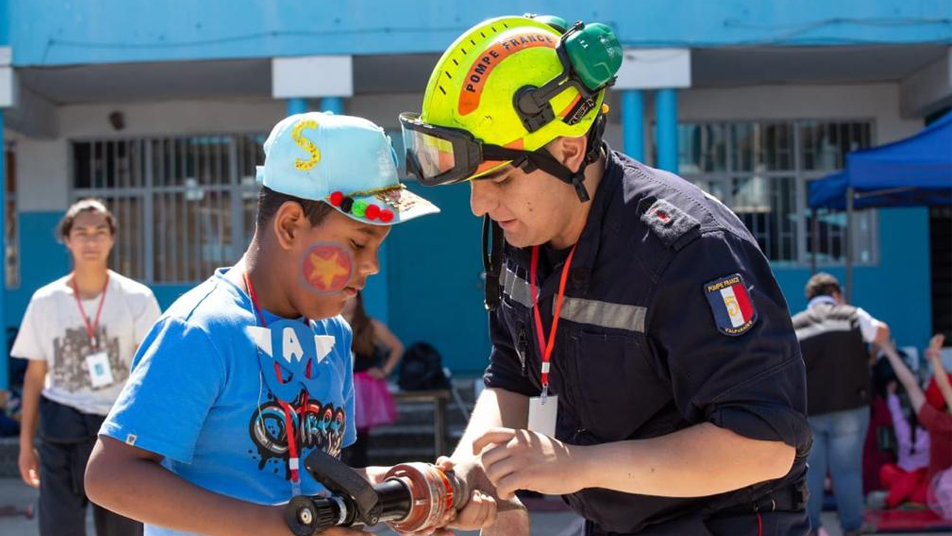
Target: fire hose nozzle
<point>433,494</point>
<point>412,497</point>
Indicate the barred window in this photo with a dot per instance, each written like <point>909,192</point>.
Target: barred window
<point>185,205</point>
<point>761,170</point>
<point>12,234</point>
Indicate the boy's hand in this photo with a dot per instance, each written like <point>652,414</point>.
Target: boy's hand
<point>373,474</point>
<point>29,466</point>
<point>510,518</point>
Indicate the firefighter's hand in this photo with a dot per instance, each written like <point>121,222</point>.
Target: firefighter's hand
<point>521,459</point>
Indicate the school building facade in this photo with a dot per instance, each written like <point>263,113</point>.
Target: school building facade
<point>160,108</point>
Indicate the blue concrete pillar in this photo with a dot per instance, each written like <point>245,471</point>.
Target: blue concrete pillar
<point>666,113</point>
<point>296,106</point>
<point>333,104</point>
<point>4,354</point>
<point>633,123</point>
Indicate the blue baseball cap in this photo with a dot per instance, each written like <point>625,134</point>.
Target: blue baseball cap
<point>347,162</point>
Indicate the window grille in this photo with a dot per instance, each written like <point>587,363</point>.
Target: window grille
<point>761,170</point>
<point>185,204</point>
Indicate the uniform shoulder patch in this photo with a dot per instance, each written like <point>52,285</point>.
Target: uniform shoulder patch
<point>668,221</point>
<point>734,312</point>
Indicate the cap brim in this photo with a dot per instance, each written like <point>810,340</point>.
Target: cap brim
<point>403,204</point>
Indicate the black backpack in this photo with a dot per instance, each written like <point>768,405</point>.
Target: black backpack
<point>421,369</point>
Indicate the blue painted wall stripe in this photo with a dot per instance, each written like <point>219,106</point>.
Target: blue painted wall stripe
<point>434,293</point>
<point>897,290</point>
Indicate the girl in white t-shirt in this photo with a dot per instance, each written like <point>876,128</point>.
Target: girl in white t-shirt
<point>79,334</point>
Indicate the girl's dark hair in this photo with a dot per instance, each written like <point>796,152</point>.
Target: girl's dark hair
<point>85,205</point>
<point>269,201</point>
<point>363,329</point>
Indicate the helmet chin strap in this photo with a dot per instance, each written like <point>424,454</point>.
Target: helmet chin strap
<point>544,160</point>
<point>492,261</point>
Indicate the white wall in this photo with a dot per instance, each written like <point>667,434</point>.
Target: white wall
<point>171,118</point>
<point>879,102</point>
<point>43,166</point>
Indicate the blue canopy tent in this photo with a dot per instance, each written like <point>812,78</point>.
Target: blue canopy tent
<point>916,171</point>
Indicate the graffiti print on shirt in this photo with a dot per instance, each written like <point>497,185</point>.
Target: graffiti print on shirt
<point>322,427</point>
<point>68,370</point>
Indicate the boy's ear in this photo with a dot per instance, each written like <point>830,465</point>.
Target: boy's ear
<point>287,223</point>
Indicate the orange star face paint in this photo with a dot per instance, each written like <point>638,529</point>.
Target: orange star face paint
<point>327,267</point>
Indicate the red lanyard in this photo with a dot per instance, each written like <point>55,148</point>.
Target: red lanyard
<point>93,327</point>
<point>547,345</point>
<point>294,461</point>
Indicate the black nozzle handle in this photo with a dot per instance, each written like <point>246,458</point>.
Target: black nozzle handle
<point>309,515</point>
<point>343,481</point>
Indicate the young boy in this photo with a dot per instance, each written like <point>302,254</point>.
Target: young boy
<point>79,334</point>
<point>251,370</point>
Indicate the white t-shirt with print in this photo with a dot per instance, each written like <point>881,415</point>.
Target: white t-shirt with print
<point>53,330</point>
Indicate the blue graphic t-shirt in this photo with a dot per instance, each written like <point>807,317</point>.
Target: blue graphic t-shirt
<point>199,394</point>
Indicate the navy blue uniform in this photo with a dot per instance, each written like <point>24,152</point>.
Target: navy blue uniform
<point>648,344</point>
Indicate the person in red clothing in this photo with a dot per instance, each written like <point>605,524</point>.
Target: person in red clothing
<point>933,407</point>
<point>936,415</point>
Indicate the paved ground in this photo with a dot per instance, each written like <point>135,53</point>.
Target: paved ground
<point>14,493</point>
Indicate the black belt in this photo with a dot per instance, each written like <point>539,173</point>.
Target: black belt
<point>788,499</point>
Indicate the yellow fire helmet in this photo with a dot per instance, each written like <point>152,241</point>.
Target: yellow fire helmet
<point>506,88</point>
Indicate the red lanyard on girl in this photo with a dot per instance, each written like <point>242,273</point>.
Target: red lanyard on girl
<point>547,345</point>
<point>91,328</point>
<point>294,460</point>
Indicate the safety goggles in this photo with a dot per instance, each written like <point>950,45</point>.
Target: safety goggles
<point>441,155</point>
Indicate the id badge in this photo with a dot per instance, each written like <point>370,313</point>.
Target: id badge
<point>100,373</point>
<point>542,414</point>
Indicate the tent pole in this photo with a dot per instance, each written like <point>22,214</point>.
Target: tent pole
<point>816,238</point>
<point>849,245</point>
